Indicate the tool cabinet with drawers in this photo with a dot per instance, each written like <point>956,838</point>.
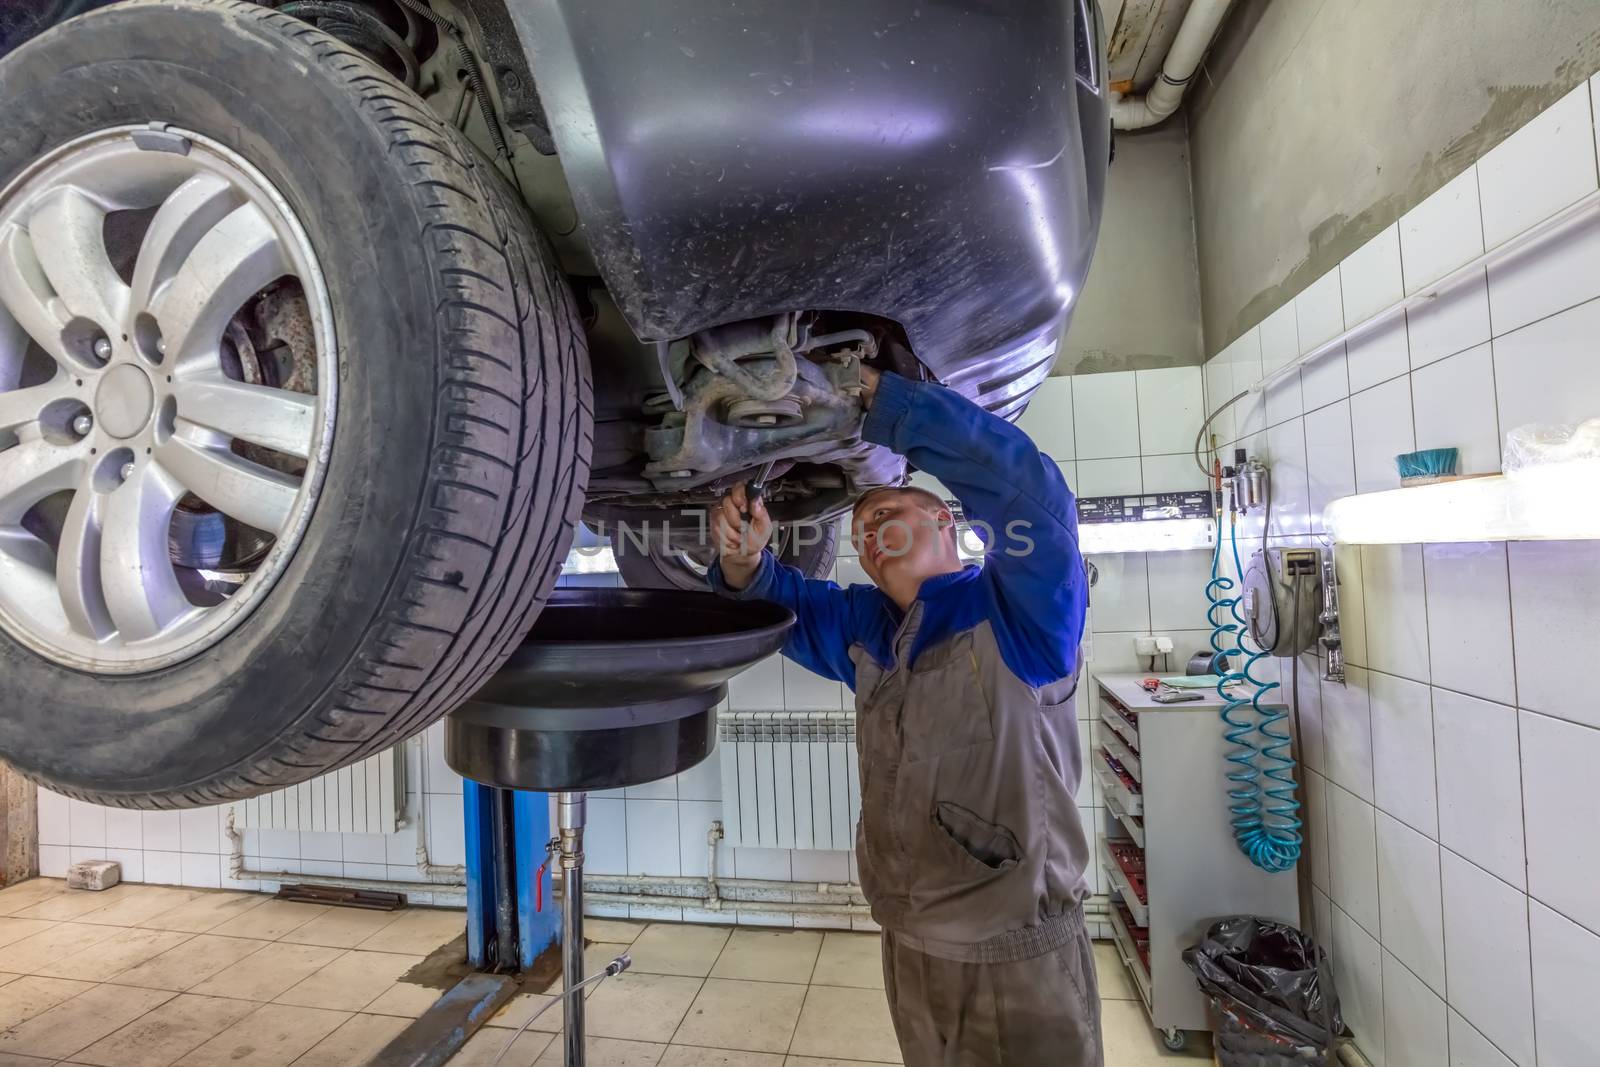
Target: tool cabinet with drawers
<point>1166,846</point>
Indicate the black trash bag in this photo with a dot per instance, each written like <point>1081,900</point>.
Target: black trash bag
<point>1271,992</point>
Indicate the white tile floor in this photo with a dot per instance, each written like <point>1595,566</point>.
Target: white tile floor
<point>145,976</point>
<point>741,997</point>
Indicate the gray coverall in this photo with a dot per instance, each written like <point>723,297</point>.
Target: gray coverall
<point>971,851</point>
<point>986,959</point>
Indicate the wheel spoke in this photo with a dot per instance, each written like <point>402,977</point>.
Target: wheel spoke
<point>142,595</point>
<point>26,294</point>
<point>236,259</point>
<point>274,418</point>
<point>18,407</point>
<point>68,232</point>
<point>78,566</point>
<point>192,211</point>
<point>26,587</point>
<point>253,494</point>
<point>31,471</point>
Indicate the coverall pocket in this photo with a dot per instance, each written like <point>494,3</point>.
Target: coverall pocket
<point>945,707</point>
<point>975,839</point>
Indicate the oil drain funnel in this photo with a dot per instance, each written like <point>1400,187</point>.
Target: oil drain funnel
<point>612,688</point>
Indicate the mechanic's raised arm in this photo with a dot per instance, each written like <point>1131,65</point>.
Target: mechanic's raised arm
<point>1019,494</point>
<point>745,570</point>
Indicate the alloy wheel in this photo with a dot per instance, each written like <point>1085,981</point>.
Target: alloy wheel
<point>167,397</point>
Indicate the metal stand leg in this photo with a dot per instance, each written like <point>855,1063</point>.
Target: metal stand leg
<point>571,814</point>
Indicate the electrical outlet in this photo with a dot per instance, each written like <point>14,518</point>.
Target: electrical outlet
<point>1146,645</point>
<point>1163,644</point>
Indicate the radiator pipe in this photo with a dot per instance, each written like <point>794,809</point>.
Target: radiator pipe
<point>443,874</point>
<point>713,893</point>
<point>747,894</point>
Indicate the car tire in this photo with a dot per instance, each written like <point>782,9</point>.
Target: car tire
<point>661,567</point>
<point>460,436</point>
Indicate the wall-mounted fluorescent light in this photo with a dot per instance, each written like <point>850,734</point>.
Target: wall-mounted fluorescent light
<point>1145,535</point>
<point>1551,502</point>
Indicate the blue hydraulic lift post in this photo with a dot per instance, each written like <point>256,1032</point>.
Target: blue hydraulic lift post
<point>479,839</point>
<point>536,917</point>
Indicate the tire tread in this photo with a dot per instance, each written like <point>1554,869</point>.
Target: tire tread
<point>500,280</point>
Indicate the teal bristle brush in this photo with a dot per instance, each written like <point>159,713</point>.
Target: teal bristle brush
<point>1427,466</point>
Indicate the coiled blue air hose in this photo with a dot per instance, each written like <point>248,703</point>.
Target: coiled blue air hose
<point>1265,817</point>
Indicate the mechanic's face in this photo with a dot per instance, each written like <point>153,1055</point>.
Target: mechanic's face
<point>903,535</point>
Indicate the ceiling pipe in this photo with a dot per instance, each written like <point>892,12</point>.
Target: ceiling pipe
<point>1199,26</point>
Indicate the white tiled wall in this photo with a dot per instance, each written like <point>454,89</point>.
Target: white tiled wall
<point>192,848</point>
<point>1450,782</point>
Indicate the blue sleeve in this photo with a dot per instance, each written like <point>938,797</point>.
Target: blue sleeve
<point>1033,575</point>
<point>824,626</point>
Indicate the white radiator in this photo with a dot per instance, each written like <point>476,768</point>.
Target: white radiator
<point>789,779</point>
<point>365,798</point>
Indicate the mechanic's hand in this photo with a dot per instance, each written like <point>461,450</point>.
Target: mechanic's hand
<point>869,385</point>
<point>739,543</point>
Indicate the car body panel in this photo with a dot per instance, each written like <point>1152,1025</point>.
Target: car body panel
<point>940,165</point>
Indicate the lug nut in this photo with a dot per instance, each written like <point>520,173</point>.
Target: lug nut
<point>127,471</point>
<point>102,349</point>
<point>82,425</point>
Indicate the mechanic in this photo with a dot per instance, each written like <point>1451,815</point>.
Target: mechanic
<point>971,851</point>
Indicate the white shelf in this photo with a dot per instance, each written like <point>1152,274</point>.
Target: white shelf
<point>1554,502</point>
